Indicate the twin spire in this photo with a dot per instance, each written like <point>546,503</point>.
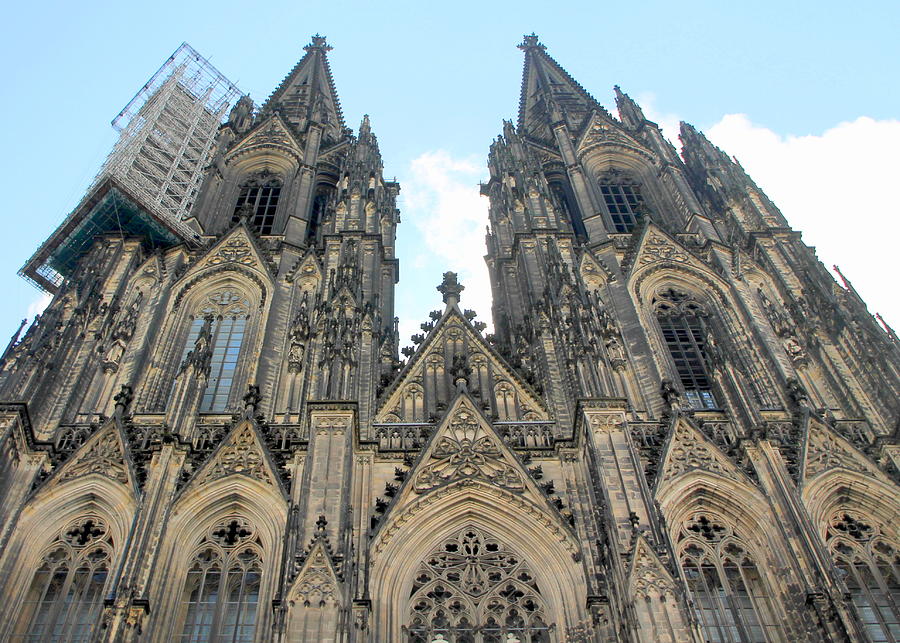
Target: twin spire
<point>549,95</point>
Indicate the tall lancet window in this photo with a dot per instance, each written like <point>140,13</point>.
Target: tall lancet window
<point>681,320</point>
<point>623,200</point>
<point>730,598</point>
<point>258,200</point>
<point>226,311</point>
<point>474,589</point>
<point>64,601</point>
<point>870,564</point>
<point>220,600</point>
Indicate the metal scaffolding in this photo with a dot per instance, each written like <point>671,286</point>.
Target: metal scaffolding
<point>167,136</point>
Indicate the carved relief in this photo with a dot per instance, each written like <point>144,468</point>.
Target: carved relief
<point>467,450</point>
<point>105,457</point>
<point>241,455</point>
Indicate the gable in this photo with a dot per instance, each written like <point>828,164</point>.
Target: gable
<point>658,247</point>
<point>430,375</point>
<point>689,450</point>
<point>602,131</point>
<point>825,450</point>
<point>236,250</point>
<point>242,453</point>
<point>270,134</point>
<point>103,454</point>
<point>466,451</point>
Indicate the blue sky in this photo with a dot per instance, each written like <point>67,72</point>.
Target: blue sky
<point>804,93</point>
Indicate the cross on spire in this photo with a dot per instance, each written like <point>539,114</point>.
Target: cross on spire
<point>531,42</point>
<point>318,42</point>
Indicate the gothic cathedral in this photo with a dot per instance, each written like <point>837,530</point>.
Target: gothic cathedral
<point>681,430</point>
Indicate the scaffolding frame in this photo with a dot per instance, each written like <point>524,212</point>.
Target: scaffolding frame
<point>167,135</point>
<point>168,132</point>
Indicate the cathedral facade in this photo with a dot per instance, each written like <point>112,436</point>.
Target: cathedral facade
<point>682,429</point>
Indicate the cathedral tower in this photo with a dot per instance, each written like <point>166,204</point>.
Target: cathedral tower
<point>681,430</point>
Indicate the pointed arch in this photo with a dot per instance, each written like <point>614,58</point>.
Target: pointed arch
<point>857,519</point>
<point>56,581</point>
<point>546,547</point>
<point>725,559</point>
<point>191,552</point>
<point>237,300</point>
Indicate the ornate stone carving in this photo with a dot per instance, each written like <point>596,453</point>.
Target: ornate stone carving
<point>241,455</point>
<point>104,457</point>
<point>689,451</point>
<point>473,582</point>
<point>658,248</point>
<point>824,452</point>
<point>316,585</point>
<point>234,250</point>
<point>467,450</point>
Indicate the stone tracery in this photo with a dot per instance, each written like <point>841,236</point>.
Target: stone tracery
<point>473,588</point>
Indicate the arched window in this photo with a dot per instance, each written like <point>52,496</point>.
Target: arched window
<point>474,589</point>
<point>223,316</point>
<point>681,320</point>
<point>220,599</point>
<point>258,200</point>
<point>728,593</point>
<point>65,598</point>
<point>870,565</point>
<point>622,198</point>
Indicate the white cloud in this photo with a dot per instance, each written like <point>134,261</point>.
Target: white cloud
<point>669,123</point>
<point>831,187</point>
<point>38,305</point>
<point>835,188</point>
<point>441,199</point>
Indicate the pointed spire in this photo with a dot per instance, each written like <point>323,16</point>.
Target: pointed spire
<point>630,112</point>
<point>549,93</point>
<point>307,94</point>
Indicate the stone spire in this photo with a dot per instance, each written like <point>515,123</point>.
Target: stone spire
<point>549,90</point>
<point>307,94</point>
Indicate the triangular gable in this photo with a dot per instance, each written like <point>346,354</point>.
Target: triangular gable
<point>689,450</point>
<point>825,450</point>
<point>594,272</point>
<point>455,322</point>
<point>237,247</point>
<point>657,246</point>
<point>307,272</point>
<point>242,452</point>
<point>271,132</point>
<point>465,447</point>
<point>317,580</point>
<point>602,131</point>
<point>105,453</point>
<point>647,572</point>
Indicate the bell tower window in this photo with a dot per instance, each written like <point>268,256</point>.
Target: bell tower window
<point>684,332</point>
<point>258,201</point>
<point>623,200</point>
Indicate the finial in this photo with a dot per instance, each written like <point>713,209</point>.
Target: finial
<point>318,42</point>
<point>531,42</point>
<point>365,127</point>
<point>450,288</point>
<point>320,524</point>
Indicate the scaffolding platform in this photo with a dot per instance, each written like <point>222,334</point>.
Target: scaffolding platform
<point>149,181</point>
